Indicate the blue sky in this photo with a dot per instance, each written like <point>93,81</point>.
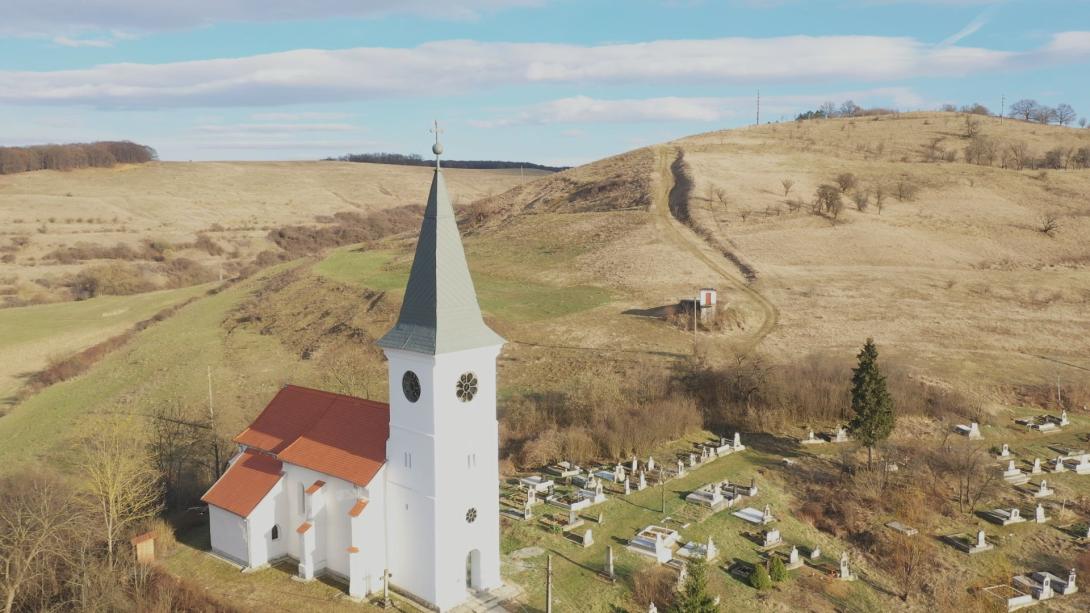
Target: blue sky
<point>551,81</point>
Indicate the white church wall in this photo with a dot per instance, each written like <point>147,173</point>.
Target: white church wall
<point>229,535</point>
<point>262,547</point>
<point>333,536</point>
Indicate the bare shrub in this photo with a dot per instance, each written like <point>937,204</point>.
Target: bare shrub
<point>861,198</point>
<point>846,181</point>
<point>906,190</point>
<point>787,185</point>
<point>654,584</point>
<point>1048,225</point>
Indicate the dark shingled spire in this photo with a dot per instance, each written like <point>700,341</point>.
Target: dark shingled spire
<point>440,313</point>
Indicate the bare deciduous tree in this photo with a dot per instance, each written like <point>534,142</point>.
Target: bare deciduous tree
<point>121,484</point>
<point>1064,114</point>
<point>879,198</point>
<point>1024,108</point>
<point>787,185</point>
<point>37,518</point>
<point>846,181</point>
<point>861,198</point>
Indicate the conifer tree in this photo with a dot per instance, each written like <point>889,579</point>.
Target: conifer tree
<point>871,402</point>
<point>777,571</point>
<point>694,597</point>
<point>760,579</point>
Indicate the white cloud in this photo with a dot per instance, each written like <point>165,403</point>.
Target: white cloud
<point>65,41</point>
<point>583,109</point>
<point>456,67</point>
<point>300,116</point>
<point>971,28</point>
<point>276,128</point>
<point>65,16</point>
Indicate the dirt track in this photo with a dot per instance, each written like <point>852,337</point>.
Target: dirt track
<point>688,240</point>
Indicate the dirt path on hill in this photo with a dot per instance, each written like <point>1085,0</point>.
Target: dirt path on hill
<point>689,241</point>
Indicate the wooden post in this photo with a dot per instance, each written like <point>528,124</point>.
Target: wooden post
<point>549,585</point>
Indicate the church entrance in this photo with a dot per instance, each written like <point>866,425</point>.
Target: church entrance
<point>473,570</point>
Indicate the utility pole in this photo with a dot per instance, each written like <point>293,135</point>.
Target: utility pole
<point>212,425</point>
<point>662,491</point>
<point>549,584</point>
<point>1002,107</point>
<point>758,106</point>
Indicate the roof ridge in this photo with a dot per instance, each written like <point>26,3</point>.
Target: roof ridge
<point>304,388</point>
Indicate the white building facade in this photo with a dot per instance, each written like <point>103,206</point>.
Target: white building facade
<point>358,489</point>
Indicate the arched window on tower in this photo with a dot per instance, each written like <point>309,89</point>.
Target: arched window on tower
<point>275,532</point>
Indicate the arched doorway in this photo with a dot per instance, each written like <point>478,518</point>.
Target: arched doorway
<point>473,570</point>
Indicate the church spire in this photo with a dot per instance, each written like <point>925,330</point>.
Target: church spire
<point>440,313</point>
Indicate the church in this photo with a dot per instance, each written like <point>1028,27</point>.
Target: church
<point>369,492</point>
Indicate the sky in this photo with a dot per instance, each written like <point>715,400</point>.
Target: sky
<point>550,81</point>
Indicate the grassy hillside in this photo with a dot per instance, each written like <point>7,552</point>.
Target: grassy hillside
<point>233,205</point>
<point>962,291</point>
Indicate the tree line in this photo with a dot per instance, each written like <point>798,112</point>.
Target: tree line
<point>414,159</point>
<point>101,154</point>
<point>1026,109</point>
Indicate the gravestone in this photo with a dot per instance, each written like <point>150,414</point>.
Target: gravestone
<point>1043,490</point>
<point>531,496</point>
<point>710,551</point>
<point>981,539</point>
<point>1039,514</point>
<point>1063,417</point>
<point>1036,470</point>
<point>841,435</point>
<point>815,553</point>
<point>627,487</point>
<point>793,557</point>
<point>573,516</point>
<point>1006,451</point>
<point>767,516</point>
<point>692,460</point>
<point>772,538</point>
<point>1058,465</point>
<point>635,464</point>
<point>618,473</point>
<point>737,441</point>
<point>680,468</point>
<point>601,518</point>
<point>1046,588</point>
<point>588,538</point>
<point>609,563</point>
<point>752,486</point>
<point>527,511</point>
<point>650,463</point>
<point>845,570</point>
<point>682,575</point>
<point>643,482</point>
<point>652,608</point>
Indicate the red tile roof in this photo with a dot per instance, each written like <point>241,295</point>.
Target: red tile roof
<point>303,527</point>
<point>317,485</point>
<point>245,483</point>
<point>333,434</point>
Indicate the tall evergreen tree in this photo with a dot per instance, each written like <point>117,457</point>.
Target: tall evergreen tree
<point>694,597</point>
<point>873,420</point>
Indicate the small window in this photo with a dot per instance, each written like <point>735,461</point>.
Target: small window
<point>408,460</point>
<point>275,532</point>
<point>302,499</point>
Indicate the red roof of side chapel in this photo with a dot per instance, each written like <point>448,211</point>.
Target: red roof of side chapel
<point>245,483</point>
<point>337,435</point>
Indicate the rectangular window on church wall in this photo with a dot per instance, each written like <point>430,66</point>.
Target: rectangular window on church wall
<point>408,460</point>
<point>302,499</point>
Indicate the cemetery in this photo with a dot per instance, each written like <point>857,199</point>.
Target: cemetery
<point>665,515</point>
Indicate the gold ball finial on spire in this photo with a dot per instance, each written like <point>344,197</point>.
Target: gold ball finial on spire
<point>437,148</point>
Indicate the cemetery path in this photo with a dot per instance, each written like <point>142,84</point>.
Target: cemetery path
<point>686,239</point>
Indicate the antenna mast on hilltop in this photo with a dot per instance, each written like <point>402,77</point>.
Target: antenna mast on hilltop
<point>1002,107</point>
<point>758,106</point>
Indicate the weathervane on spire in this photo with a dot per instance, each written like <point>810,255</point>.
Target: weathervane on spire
<point>437,148</point>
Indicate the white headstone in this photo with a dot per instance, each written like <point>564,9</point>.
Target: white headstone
<point>609,562</point>
<point>1046,588</point>
<point>1006,451</point>
<point>1063,417</point>
<point>815,553</point>
<point>635,464</point>
<point>737,440</point>
<point>981,539</point>
<point>627,487</point>
<point>841,435</point>
<point>652,608</point>
<point>643,481</point>
<point>710,552</point>
<point>772,537</point>
<point>650,463</point>
<point>1036,466</point>
<point>692,460</point>
<point>974,430</point>
<point>618,473</point>
<point>767,516</point>
<point>810,436</point>
<point>588,538</point>
<point>680,468</point>
<point>752,486</point>
<point>845,570</point>
<point>1015,513</point>
<point>1039,514</point>
<point>1059,467</point>
<point>793,557</point>
<point>531,496</point>
<point>1071,585</point>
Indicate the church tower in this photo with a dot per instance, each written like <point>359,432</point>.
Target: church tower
<point>442,491</point>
